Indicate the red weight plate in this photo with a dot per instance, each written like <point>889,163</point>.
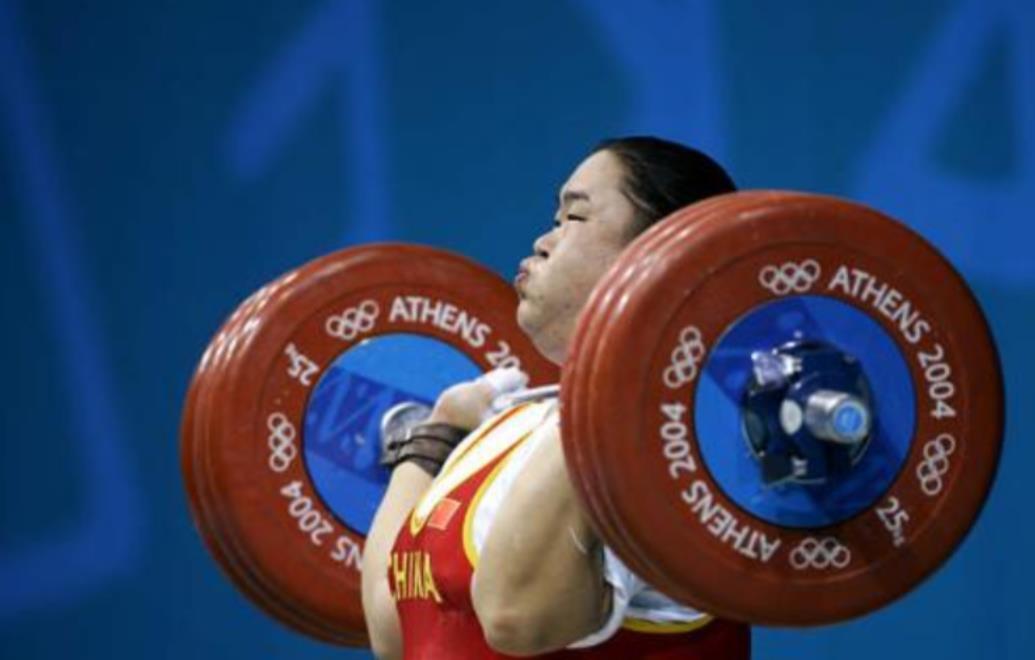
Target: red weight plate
<point>280,603</point>
<point>641,262</point>
<point>709,284</point>
<point>266,592</point>
<point>193,435</point>
<point>318,574</point>
<point>578,376</point>
<point>189,443</point>
<point>262,588</point>
<point>277,600</point>
<point>582,447</point>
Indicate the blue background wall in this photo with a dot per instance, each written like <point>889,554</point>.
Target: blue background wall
<point>159,160</point>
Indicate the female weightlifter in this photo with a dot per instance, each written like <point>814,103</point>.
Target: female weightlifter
<point>487,554</point>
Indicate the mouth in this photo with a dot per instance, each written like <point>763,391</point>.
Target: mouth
<point>520,279</point>
<point>524,271</point>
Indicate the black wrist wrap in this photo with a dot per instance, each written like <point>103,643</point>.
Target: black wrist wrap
<point>427,445</point>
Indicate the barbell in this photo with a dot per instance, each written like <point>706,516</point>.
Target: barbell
<point>778,407</point>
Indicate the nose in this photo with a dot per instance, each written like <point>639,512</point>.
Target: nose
<point>544,244</point>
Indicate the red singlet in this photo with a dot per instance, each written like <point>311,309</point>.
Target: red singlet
<point>430,572</point>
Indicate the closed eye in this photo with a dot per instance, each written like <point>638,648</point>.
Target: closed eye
<point>570,217</point>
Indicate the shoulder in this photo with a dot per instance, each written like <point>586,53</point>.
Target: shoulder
<point>498,483</point>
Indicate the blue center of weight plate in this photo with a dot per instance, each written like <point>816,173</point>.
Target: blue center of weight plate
<point>717,411</point>
<point>342,438</point>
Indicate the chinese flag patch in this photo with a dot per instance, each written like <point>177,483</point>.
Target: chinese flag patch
<point>443,513</point>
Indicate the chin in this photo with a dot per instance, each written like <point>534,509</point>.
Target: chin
<point>525,317</point>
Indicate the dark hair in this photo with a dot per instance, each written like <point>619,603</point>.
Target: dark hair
<point>664,176</point>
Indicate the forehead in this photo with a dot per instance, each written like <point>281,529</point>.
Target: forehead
<point>597,176</point>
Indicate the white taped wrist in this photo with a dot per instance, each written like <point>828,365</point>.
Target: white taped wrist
<point>504,381</point>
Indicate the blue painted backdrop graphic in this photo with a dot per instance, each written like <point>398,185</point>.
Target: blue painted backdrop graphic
<point>63,562</point>
<point>337,48</point>
<point>158,161</point>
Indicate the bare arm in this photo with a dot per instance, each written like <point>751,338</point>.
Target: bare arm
<point>463,406</point>
<point>407,485</point>
<point>535,590</point>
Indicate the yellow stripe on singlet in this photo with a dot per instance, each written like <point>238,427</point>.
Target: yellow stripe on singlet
<point>468,532</point>
<point>645,626</point>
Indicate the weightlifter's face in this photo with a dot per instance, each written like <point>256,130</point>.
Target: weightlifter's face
<point>593,223</point>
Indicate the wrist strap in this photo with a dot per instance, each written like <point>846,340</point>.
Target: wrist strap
<point>426,444</point>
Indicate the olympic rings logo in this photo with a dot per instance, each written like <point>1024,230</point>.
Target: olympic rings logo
<point>281,442</point>
<point>686,357</point>
<point>932,469</point>
<point>790,277</point>
<point>826,552</point>
<point>353,321</point>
